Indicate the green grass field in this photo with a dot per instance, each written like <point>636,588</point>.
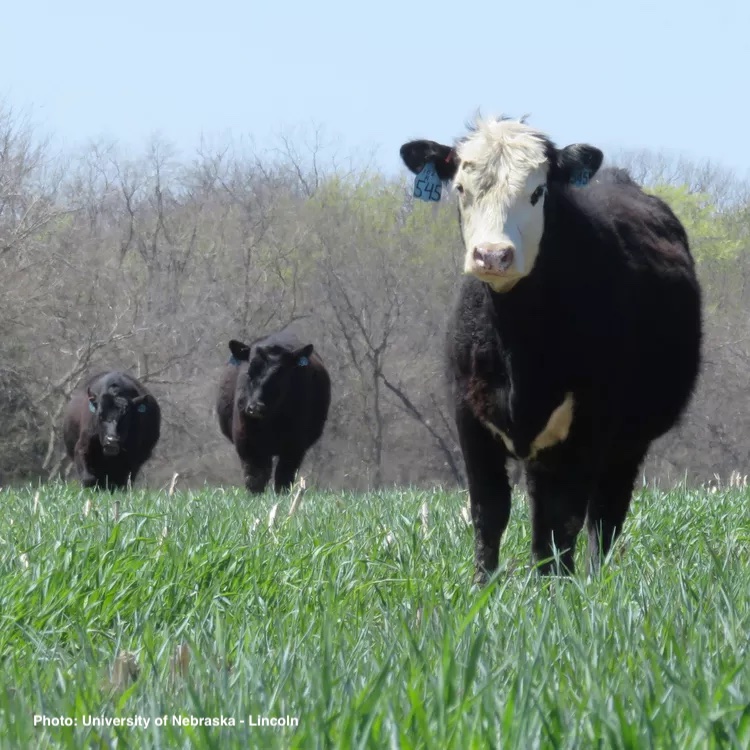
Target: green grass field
<point>358,619</point>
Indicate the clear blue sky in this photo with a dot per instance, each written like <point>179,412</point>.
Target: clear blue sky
<point>663,74</point>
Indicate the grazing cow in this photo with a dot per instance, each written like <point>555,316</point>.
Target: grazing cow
<point>575,340</point>
<point>110,429</point>
<point>273,402</point>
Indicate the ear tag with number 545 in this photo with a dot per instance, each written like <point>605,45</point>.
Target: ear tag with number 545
<point>427,184</point>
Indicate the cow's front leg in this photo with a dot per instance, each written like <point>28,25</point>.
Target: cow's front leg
<point>86,477</point>
<point>257,472</point>
<point>489,489</point>
<point>286,469</point>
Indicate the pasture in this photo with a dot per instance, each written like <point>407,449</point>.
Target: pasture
<point>356,616</point>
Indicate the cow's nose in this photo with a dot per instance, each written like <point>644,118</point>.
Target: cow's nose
<point>111,445</point>
<point>492,256</point>
<point>255,410</point>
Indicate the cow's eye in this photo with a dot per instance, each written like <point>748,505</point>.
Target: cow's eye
<point>537,194</point>
<point>459,188</point>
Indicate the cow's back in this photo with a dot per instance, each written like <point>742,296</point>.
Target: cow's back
<point>149,428</point>
<point>315,398</point>
<point>645,331</point>
<point>300,420</point>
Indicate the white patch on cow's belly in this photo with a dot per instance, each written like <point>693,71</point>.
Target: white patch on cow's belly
<point>499,433</point>
<point>557,428</point>
<point>555,431</point>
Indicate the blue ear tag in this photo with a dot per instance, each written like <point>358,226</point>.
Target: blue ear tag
<point>580,178</point>
<point>141,408</point>
<point>92,407</point>
<point>303,361</point>
<point>427,184</point>
<point>233,360</point>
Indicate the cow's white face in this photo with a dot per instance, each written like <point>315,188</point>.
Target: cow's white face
<point>500,172</point>
<point>501,184</point>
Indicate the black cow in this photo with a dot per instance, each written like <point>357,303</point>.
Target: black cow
<point>111,427</point>
<point>575,341</point>
<point>273,402</point>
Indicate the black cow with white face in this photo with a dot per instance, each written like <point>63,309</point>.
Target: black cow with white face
<point>273,402</point>
<point>575,340</point>
<point>110,429</point>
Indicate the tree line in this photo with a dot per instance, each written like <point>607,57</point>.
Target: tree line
<point>151,263</point>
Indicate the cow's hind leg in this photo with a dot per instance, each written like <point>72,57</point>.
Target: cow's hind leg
<point>489,490</point>
<point>558,501</point>
<point>286,469</point>
<point>257,472</point>
<point>609,503</point>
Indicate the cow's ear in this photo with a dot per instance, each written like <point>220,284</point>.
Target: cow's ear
<point>240,351</point>
<point>577,164</point>
<point>416,154</point>
<point>92,400</point>
<point>139,403</point>
<point>302,356</point>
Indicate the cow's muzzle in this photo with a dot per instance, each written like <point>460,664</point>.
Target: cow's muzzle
<point>110,446</point>
<point>256,410</point>
<point>493,258</point>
